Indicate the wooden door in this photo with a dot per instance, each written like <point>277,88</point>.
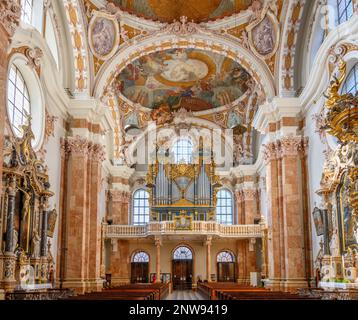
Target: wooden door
<point>139,272</point>
<point>182,274</point>
<point>226,271</point>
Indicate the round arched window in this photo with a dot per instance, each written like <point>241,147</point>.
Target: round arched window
<point>225,256</point>
<point>182,253</point>
<point>140,256</point>
<point>18,100</point>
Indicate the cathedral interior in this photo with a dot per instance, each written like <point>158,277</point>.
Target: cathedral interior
<point>156,149</point>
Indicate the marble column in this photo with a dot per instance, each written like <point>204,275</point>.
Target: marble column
<point>287,247</point>
<point>76,214</point>
<point>44,227</point>
<point>208,243</point>
<point>250,205</point>
<point>119,206</point>
<point>97,156</point>
<point>293,225</point>
<point>158,243</point>
<point>11,192</point>
<point>273,216</point>
<point>119,259</point>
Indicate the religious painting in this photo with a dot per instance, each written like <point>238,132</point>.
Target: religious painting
<point>347,219</point>
<point>103,35</point>
<point>263,35</point>
<point>51,222</point>
<point>169,10</point>
<point>318,221</point>
<point>190,78</point>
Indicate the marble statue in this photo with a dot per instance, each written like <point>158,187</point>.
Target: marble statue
<point>15,237</point>
<point>35,245</point>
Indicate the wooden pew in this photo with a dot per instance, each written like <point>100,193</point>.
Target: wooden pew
<point>156,291</point>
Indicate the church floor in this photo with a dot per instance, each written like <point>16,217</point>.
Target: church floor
<point>185,295</point>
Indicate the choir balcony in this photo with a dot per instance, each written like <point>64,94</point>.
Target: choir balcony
<point>197,228</point>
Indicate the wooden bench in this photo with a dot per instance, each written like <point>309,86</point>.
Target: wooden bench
<point>156,291</point>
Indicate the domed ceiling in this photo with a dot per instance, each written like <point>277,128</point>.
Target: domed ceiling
<point>194,79</point>
<point>170,10</point>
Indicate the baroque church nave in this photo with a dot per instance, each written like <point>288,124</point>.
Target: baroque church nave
<point>192,150</point>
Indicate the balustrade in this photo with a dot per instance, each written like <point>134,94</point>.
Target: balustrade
<point>198,227</point>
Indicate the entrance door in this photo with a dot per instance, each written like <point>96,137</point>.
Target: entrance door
<point>182,269</point>
<point>225,267</point>
<point>139,272</point>
<point>140,268</point>
<point>182,274</point>
<point>226,271</point>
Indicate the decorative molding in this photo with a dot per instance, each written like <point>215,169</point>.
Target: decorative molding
<point>49,126</point>
<point>10,14</point>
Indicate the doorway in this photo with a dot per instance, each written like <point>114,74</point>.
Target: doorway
<point>225,267</point>
<point>182,268</point>
<point>140,268</point>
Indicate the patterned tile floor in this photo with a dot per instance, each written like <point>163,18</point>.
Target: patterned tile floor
<point>185,295</point>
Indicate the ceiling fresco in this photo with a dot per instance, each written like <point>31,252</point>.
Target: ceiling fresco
<point>194,79</point>
<point>170,10</point>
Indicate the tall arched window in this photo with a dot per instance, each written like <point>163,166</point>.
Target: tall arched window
<point>182,253</point>
<point>183,151</point>
<point>344,10</point>
<point>26,11</point>
<point>140,207</point>
<point>351,83</point>
<point>224,207</point>
<point>18,100</point>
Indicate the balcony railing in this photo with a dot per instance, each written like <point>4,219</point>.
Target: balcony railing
<point>168,228</point>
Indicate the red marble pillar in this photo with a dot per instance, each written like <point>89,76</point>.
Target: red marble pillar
<point>119,206</point>
<point>250,204</point>
<point>119,255</point>
<point>273,216</point>
<point>97,156</point>
<point>293,225</point>
<point>287,247</point>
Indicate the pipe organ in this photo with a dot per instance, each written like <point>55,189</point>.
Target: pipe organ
<point>181,190</point>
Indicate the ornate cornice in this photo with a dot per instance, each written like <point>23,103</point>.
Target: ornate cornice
<point>77,145</point>
<point>10,13</point>
<point>288,146</point>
